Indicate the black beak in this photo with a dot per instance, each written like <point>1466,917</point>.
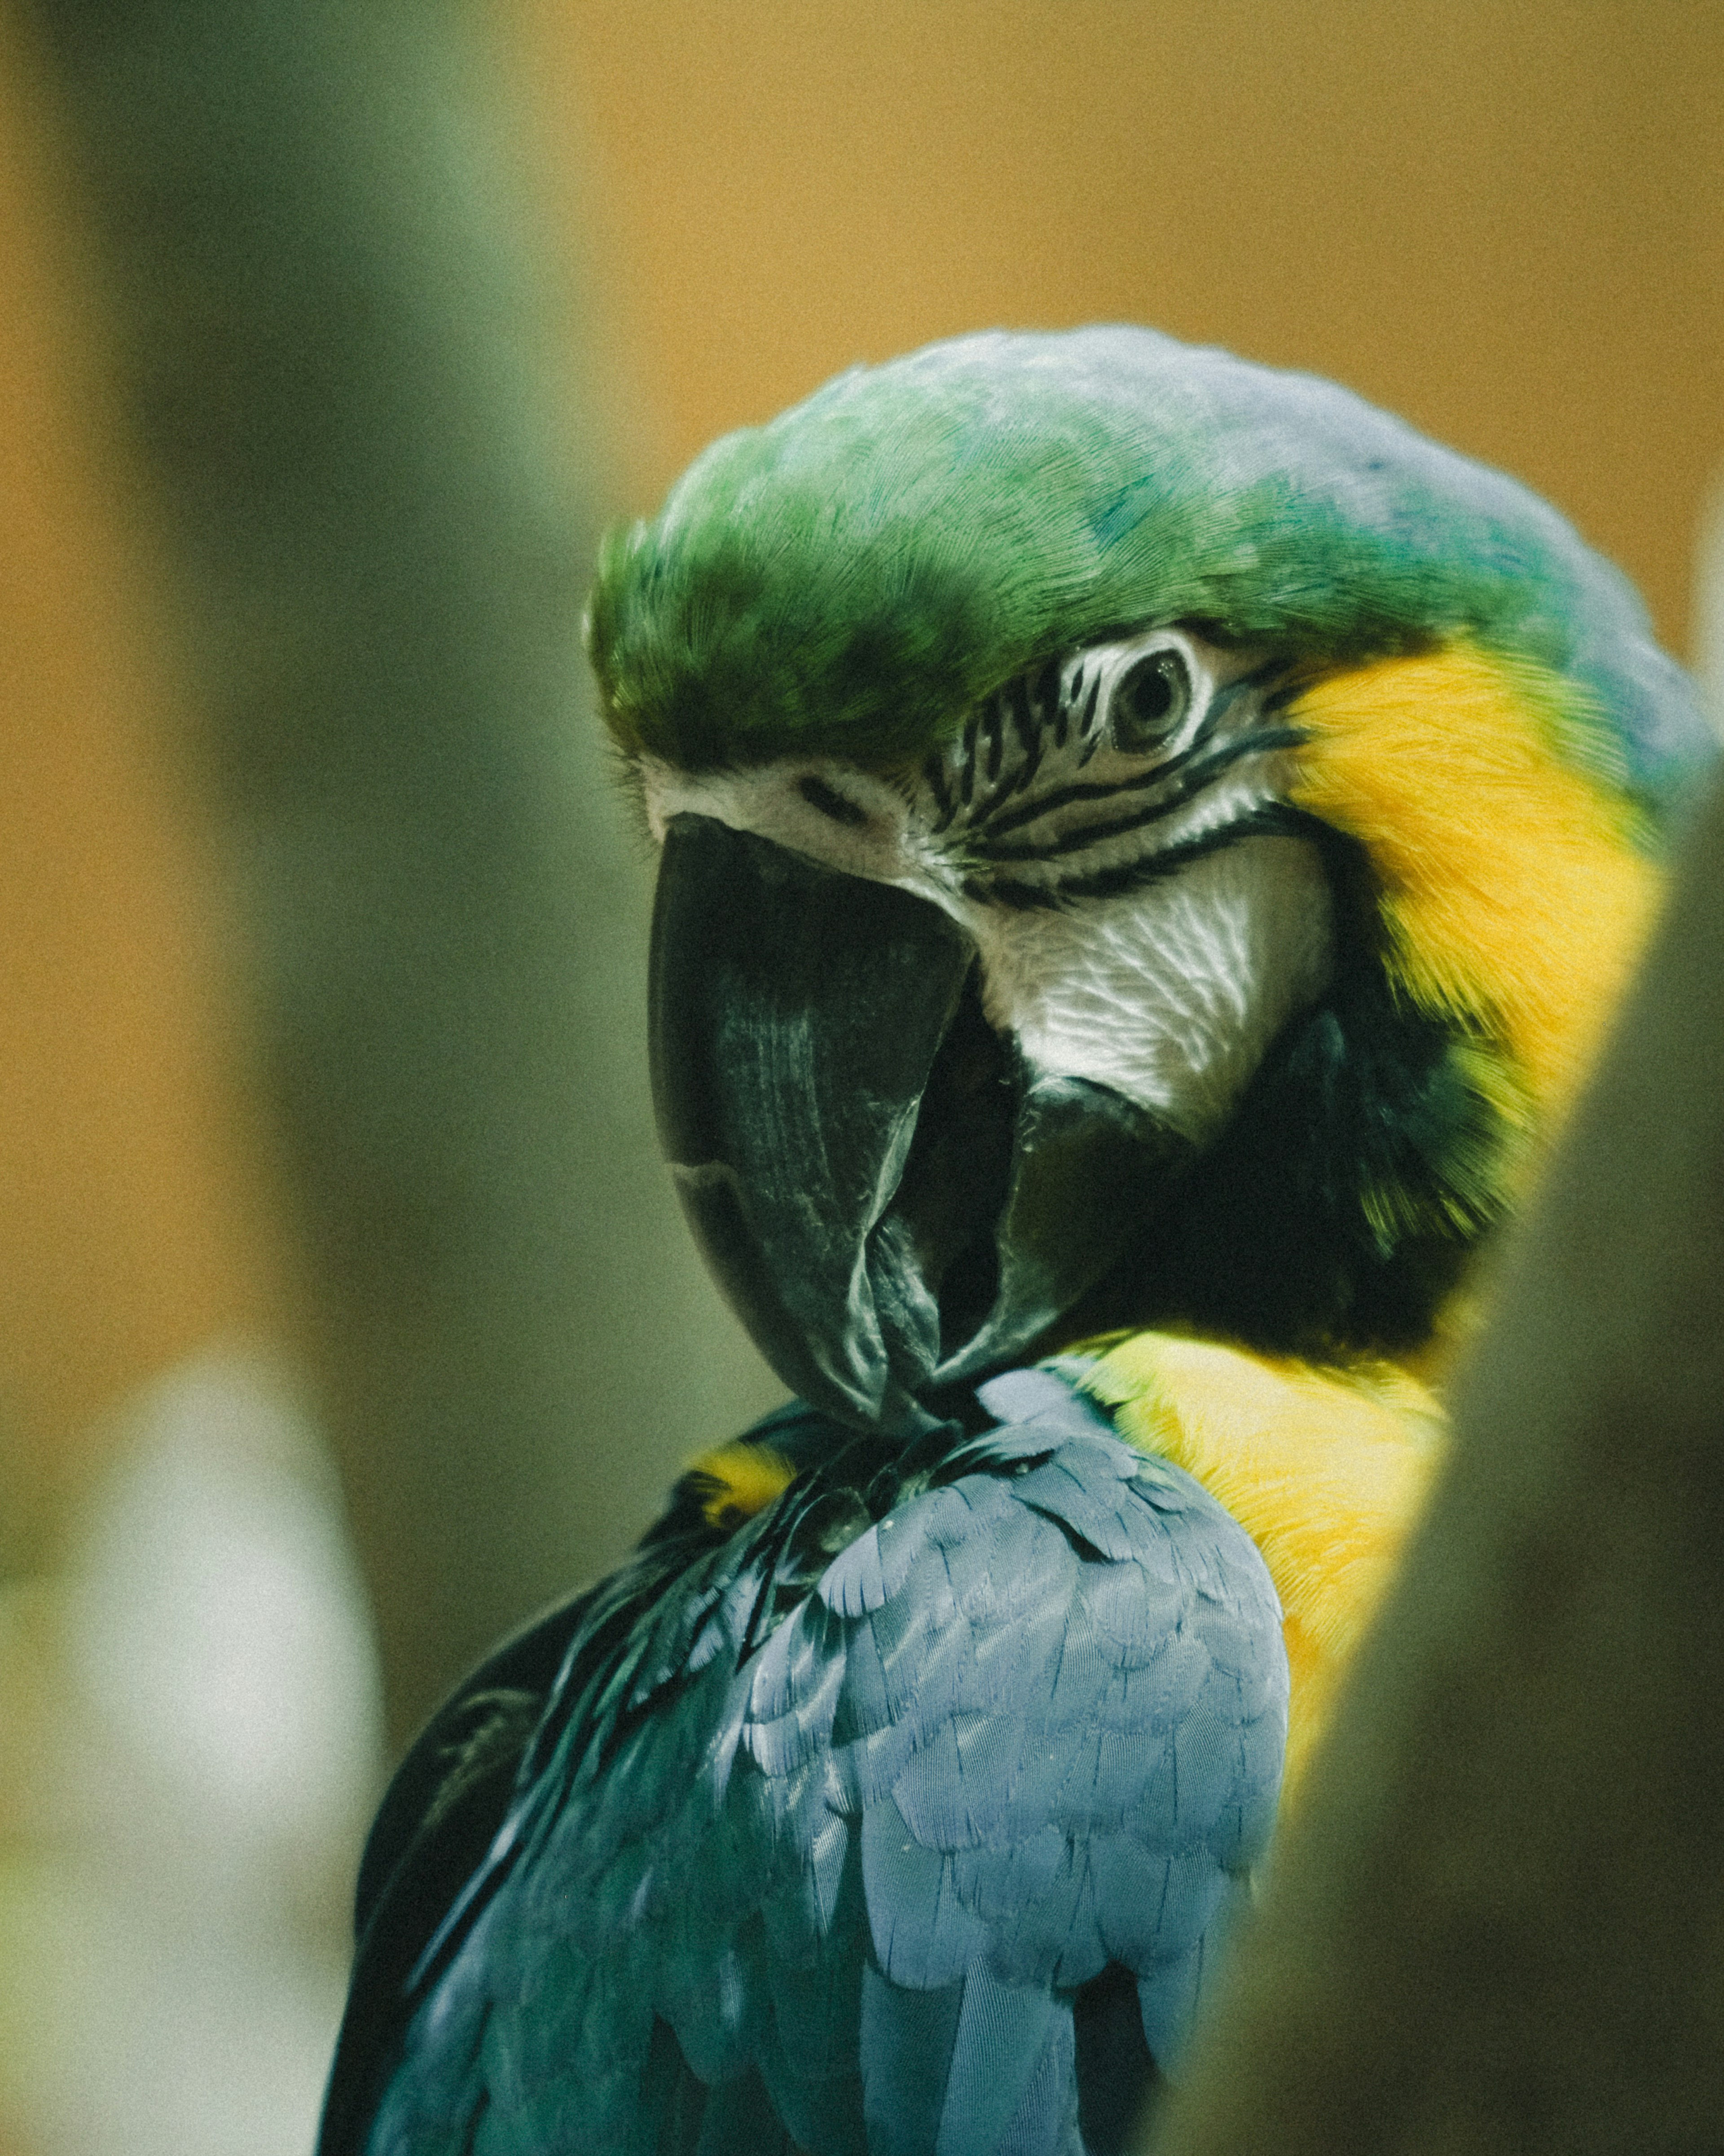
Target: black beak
<point>889,1201</point>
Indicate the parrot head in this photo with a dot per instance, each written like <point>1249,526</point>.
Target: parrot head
<point>1145,839</point>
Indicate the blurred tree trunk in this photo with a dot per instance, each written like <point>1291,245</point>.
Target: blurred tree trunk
<point>1497,1919</point>
<point>332,333</point>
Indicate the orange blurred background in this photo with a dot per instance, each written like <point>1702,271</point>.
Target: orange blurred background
<point>1502,221</point>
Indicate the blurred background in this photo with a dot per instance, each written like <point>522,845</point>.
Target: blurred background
<point>345,1315</point>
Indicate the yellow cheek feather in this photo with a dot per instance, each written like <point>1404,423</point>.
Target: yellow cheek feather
<point>1326,1471</point>
<point>1514,894</point>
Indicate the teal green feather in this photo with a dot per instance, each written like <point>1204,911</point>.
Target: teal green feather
<point>852,578</point>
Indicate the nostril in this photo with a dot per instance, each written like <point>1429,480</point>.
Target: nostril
<point>830,802</point>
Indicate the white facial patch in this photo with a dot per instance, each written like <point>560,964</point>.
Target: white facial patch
<point>1099,828</point>
<point>1171,994</point>
<point>877,838</point>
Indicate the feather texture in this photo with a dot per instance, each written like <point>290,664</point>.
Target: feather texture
<point>844,1881</point>
<point>858,576</point>
<point>1275,793</point>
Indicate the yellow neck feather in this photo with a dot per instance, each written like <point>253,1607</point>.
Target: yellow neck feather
<point>1325,1471</point>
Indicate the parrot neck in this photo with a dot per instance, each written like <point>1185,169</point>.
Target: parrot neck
<point>1324,1469</point>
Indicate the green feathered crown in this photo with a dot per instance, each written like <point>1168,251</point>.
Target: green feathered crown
<point>852,578</point>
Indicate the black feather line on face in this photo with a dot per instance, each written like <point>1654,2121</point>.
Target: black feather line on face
<point>994,825</point>
<point>966,763</point>
<point>997,823</point>
<point>1025,706</point>
<point>1192,777</point>
<point>1087,727</point>
<point>1268,820</point>
<point>943,801</point>
<point>1039,710</point>
<point>994,728</point>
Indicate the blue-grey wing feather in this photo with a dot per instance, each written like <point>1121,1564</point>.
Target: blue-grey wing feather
<point>833,1880</point>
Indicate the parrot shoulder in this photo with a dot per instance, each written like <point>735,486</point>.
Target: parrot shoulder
<point>453,1790</point>
<point>829,1832</point>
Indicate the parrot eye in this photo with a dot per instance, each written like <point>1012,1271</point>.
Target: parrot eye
<point>1150,702</point>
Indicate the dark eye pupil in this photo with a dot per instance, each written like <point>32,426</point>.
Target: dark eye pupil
<point>1150,701</point>
<point>1151,695</point>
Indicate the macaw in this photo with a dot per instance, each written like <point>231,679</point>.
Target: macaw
<point>1148,847</point>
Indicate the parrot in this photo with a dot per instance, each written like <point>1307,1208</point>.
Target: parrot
<point>1148,846</point>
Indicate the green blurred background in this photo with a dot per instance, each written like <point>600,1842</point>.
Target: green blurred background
<point>345,1314</point>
